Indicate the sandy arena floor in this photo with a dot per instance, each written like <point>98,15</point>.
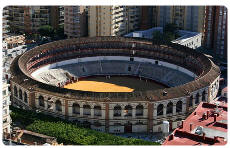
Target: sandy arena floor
<point>114,84</point>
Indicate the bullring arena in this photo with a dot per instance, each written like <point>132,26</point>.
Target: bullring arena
<point>144,83</point>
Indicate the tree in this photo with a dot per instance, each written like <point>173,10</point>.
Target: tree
<point>168,37</point>
<point>158,37</point>
<point>171,27</point>
<point>59,33</point>
<point>46,30</point>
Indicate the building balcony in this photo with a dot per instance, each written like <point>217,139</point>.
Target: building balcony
<point>4,26</point>
<point>5,16</point>
<point>5,31</point>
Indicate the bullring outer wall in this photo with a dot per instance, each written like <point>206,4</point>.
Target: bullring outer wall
<point>98,109</point>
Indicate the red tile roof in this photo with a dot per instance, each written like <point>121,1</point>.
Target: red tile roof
<point>204,116</point>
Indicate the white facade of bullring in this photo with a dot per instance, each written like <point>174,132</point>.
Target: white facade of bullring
<point>116,124</point>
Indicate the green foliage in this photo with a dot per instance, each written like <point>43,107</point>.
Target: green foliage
<point>158,37</point>
<point>46,30</point>
<point>170,32</point>
<point>171,27</point>
<point>60,31</point>
<point>68,133</point>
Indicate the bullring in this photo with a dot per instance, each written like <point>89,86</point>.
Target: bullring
<point>190,76</point>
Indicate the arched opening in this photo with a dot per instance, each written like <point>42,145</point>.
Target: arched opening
<point>41,101</point>
<point>179,106</point>
<point>128,110</point>
<point>117,111</point>
<point>197,98</point>
<point>76,108</point>
<point>20,94</point>
<point>15,91</point>
<point>58,105</point>
<point>160,109</point>
<point>203,96</point>
<point>97,110</point>
<point>169,108</point>
<point>139,110</point>
<point>25,97</point>
<point>86,110</point>
<point>190,101</point>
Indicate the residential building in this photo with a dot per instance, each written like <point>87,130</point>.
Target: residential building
<point>189,18</point>
<point>207,125</point>
<point>28,19</point>
<point>112,20</point>
<point>13,41</point>
<point>5,110</point>
<point>75,21</point>
<point>5,22</point>
<point>61,15</point>
<point>215,31</point>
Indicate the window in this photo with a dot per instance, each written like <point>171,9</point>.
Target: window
<point>156,62</point>
<point>169,108</point>
<point>25,97</point>
<point>86,110</point>
<point>139,110</point>
<point>41,101</point>
<point>129,68</point>
<point>76,108</point>
<point>58,105</point>
<point>4,92</point>
<point>20,94</point>
<point>5,120</point>
<point>197,98</point>
<point>4,103</point>
<point>97,111</point>
<point>117,111</point>
<point>128,110</point>
<point>4,112</point>
<point>15,91</point>
<point>160,109</point>
<point>179,106</point>
<point>190,101</point>
<point>203,96</point>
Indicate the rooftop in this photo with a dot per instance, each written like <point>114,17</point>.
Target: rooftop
<point>207,125</point>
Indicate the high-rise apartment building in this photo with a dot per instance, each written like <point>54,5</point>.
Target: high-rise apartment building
<point>5,110</point>
<point>5,22</point>
<point>112,20</point>
<point>186,17</point>
<point>30,18</point>
<point>75,21</point>
<point>215,32</point>
<point>146,13</point>
<point>61,15</point>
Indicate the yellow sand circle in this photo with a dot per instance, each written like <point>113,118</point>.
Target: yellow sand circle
<point>113,84</point>
<point>97,87</point>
